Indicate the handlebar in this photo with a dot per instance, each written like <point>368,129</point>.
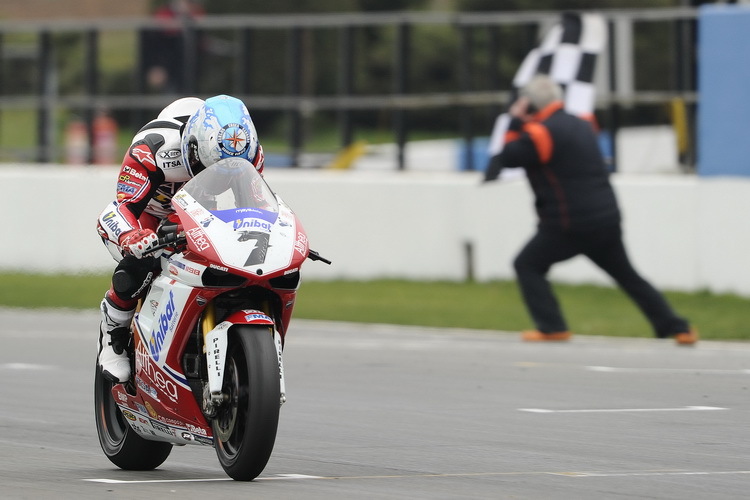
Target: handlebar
<point>172,236</point>
<point>169,239</point>
<point>313,255</point>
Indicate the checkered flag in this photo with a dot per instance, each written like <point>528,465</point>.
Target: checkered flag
<point>567,53</point>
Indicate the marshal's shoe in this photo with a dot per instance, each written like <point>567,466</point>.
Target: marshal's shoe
<point>687,338</point>
<point>537,336</point>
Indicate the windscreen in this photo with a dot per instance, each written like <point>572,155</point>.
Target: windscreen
<point>234,192</point>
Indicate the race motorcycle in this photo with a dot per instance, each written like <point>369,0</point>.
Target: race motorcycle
<point>208,336</point>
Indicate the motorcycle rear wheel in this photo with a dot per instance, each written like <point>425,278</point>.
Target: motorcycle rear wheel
<point>245,426</point>
<point>123,446</point>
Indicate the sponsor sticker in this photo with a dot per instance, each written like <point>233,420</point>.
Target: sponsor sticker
<point>196,430</point>
<point>170,154</point>
<point>171,164</point>
<point>256,316</point>
<point>162,428</point>
<point>301,244</point>
<point>252,225</point>
<point>124,188</point>
<point>199,239</point>
<point>149,369</point>
<point>127,169</point>
<point>206,441</point>
<point>110,221</point>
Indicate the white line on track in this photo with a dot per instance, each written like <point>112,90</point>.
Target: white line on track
<point>25,366</point>
<point>655,473</point>
<point>269,478</point>
<point>623,410</point>
<point>612,369</point>
<point>136,481</point>
<point>574,474</point>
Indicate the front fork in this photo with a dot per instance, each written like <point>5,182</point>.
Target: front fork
<point>215,343</point>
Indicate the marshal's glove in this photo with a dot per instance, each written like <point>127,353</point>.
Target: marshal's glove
<point>494,166</point>
<point>139,241</point>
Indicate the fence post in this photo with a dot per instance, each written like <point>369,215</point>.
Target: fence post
<point>493,71</point>
<point>614,108</point>
<point>91,87</point>
<point>346,81</point>
<point>401,87</point>
<point>294,83</point>
<point>189,58</point>
<point>465,111</point>
<point>244,62</point>
<point>2,90</point>
<point>137,114</point>
<point>47,89</point>
<point>686,76</point>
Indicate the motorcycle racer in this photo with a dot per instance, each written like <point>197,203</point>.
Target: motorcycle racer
<point>186,137</point>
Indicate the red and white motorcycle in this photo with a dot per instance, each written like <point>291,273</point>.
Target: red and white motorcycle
<point>208,336</point>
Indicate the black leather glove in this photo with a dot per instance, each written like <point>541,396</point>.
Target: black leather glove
<point>494,166</point>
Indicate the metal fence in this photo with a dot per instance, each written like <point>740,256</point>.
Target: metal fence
<point>616,81</point>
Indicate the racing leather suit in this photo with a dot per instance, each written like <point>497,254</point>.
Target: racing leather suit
<point>152,172</point>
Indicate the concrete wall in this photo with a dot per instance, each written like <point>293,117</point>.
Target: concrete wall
<point>683,232</point>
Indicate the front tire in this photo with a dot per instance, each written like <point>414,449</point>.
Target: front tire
<point>122,446</point>
<point>245,426</point>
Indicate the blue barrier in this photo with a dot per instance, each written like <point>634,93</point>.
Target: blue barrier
<point>723,83</point>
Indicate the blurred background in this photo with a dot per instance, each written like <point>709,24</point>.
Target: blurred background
<point>375,117</point>
<point>78,78</point>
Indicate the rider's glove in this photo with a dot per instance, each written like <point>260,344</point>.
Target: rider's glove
<point>138,241</point>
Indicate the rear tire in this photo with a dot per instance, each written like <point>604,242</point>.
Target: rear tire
<point>123,446</point>
<point>245,426</point>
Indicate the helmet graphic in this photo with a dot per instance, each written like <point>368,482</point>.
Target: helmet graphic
<point>220,128</point>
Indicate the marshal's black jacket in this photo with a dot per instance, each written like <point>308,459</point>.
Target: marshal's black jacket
<point>565,167</point>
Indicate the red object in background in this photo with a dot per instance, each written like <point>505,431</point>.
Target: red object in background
<point>105,140</point>
<point>76,143</point>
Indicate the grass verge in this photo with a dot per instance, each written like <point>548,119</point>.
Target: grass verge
<point>589,309</point>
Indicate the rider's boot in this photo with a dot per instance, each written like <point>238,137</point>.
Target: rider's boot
<point>113,340</point>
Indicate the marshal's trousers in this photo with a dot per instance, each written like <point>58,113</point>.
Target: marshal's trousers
<point>605,248</point>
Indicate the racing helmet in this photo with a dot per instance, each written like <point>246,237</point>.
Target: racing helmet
<point>220,128</point>
<point>181,109</point>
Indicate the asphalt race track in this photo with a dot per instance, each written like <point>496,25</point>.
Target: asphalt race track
<point>382,412</point>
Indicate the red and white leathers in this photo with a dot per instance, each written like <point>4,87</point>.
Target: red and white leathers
<point>152,172</point>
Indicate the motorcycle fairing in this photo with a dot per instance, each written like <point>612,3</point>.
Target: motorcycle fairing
<point>152,420</point>
<point>216,346</point>
<point>163,397</point>
<point>184,270</point>
<point>247,219</point>
<point>245,243</point>
<point>165,304</point>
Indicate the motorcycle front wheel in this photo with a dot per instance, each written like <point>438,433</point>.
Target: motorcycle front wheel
<point>245,426</point>
<point>123,446</point>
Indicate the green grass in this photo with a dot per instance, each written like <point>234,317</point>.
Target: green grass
<point>80,291</point>
<point>495,306</point>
